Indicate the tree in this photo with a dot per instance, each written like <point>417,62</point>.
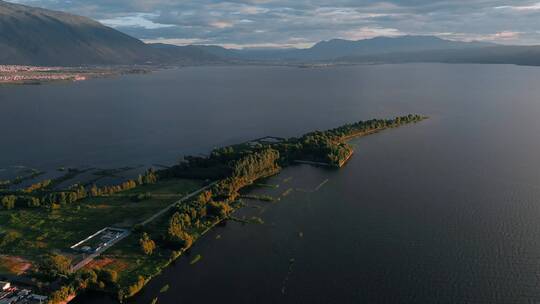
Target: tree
<point>107,276</point>
<point>150,177</point>
<point>147,245</point>
<point>32,202</point>
<point>220,210</point>
<point>175,225</point>
<point>60,295</point>
<point>136,287</point>
<point>8,202</point>
<point>176,231</point>
<point>56,265</point>
<point>204,198</point>
<point>85,278</point>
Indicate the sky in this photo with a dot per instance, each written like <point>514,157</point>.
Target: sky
<point>301,23</point>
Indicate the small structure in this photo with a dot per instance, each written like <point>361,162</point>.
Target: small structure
<point>86,249</point>
<point>5,285</point>
<point>97,243</point>
<point>23,293</point>
<point>39,298</point>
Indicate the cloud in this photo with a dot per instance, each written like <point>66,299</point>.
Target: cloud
<point>302,23</point>
<point>221,24</point>
<point>499,37</point>
<point>142,20</point>
<point>532,7</point>
<point>370,32</point>
<point>177,41</point>
<point>506,35</point>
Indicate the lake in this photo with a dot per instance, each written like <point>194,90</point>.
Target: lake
<point>444,211</point>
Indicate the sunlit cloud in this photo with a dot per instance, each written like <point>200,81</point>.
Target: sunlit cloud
<point>532,7</point>
<point>503,37</point>
<point>175,41</point>
<point>142,20</point>
<point>221,24</point>
<point>370,32</point>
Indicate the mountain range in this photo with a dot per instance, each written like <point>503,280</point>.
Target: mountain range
<point>36,36</point>
<point>338,48</point>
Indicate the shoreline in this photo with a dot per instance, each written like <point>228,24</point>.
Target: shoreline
<point>340,164</point>
<point>41,75</point>
<point>178,254</point>
<point>233,168</point>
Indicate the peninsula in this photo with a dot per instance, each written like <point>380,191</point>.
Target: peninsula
<point>116,238</point>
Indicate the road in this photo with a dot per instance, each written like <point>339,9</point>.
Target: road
<point>94,255</point>
<point>163,211</point>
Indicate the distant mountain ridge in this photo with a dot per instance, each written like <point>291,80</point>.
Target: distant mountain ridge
<point>35,36</point>
<point>519,55</point>
<point>338,48</point>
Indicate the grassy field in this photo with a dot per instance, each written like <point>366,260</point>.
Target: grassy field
<point>38,231</point>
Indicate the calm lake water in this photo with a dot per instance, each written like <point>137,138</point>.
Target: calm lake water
<point>445,211</point>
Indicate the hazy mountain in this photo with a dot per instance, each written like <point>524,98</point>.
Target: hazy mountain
<point>38,36</point>
<point>186,54</point>
<point>520,55</point>
<point>393,50</point>
<point>337,48</point>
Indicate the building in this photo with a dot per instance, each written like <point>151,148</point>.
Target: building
<point>5,285</point>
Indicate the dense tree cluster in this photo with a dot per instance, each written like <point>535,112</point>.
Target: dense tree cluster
<point>150,177</point>
<point>219,209</point>
<point>361,127</point>
<point>62,198</point>
<point>36,196</point>
<point>178,234</point>
<point>61,295</point>
<point>330,147</point>
<point>96,278</point>
<point>110,190</point>
<point>248,169</point>
<point>37,186</point>
<point>320,147</point>
<point>55,265</point>
<point>12,201</point>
